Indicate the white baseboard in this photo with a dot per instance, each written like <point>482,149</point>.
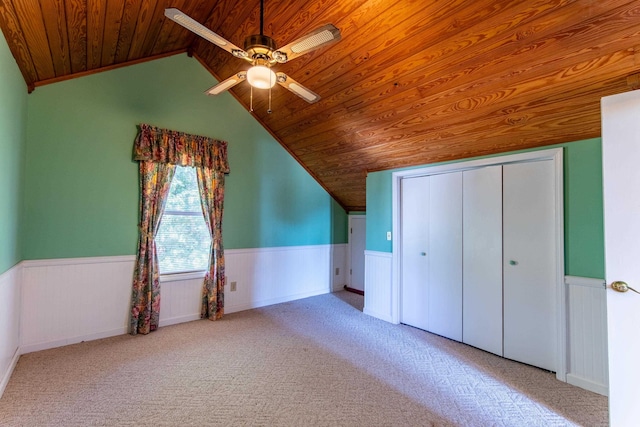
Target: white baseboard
<point>179,319</point>
<point>45,345</point>
<point>266,302</point>
<point>9,371</point>
<point>587,384</point>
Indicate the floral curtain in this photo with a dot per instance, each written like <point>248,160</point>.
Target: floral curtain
<point>155,182</point>
<point>211,186</point>
<point>178,148</point>
<point>158,151</point>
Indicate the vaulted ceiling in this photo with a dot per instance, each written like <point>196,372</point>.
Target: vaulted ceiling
<point>411,82</point>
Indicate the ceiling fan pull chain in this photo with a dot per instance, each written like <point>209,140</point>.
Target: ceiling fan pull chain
<point>251,100</point>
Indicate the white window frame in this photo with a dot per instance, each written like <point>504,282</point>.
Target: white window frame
<point>183,275</point>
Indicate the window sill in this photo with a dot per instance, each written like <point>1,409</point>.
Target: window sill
<point>176,277</point>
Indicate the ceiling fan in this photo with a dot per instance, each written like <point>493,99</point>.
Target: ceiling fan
<point>262,52</point>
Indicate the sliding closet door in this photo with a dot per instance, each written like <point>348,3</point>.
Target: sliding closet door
<point>414,247</point>
<point>482,258</point>
<point>530,263</point>
<point>445,255</point>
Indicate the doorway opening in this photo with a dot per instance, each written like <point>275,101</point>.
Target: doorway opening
<point>355,257</point>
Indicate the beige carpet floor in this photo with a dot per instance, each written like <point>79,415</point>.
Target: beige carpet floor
<point>313,362</point>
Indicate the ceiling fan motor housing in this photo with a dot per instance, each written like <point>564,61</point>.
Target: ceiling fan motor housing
<point>259,46</point>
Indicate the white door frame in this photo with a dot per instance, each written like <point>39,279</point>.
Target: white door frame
<point>349,266</point>
<point>555,154</point>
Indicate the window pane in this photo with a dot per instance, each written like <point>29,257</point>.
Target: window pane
<point>183,244</point>
<point>183,241</point>
<point>183,195</point>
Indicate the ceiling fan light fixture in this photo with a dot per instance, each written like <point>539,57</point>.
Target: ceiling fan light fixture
<point>261,77</point>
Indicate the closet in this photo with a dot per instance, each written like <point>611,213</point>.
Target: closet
<point>432,254</point>
<point>478,258</point>
<point>482,258</point>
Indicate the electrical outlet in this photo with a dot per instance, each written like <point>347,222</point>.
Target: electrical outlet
<point>388,235</point>
<point>233,286</point>
<point>337,271</point>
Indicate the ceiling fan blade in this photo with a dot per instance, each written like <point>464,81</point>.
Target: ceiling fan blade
<point>295,87</point>
<point>191,24</point>
<point>227,84</point>
<point>317,38</point>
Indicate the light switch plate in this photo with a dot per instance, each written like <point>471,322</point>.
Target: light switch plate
<point>388,235</point>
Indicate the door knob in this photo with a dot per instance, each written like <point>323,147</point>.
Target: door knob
<point>621,286</point>
<point>423,254</point>
<point>513,262</point>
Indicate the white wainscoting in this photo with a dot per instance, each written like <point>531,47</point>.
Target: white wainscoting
<point>272,275</point>
<point>66,301</point>
<point>378,295</point>
<point>339,258</point>
<point>587,334</point>
<point>180,299</point>
<point>9,323</point>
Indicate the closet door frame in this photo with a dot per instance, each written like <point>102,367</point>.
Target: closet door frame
<point>554,154</point>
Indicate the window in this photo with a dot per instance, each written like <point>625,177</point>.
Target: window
<point>183,240</point>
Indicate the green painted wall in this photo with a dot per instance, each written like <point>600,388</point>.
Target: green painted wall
<point>379,211</point>
<point>81,186</point>
<point>583,209</point>
<point>13,122</point>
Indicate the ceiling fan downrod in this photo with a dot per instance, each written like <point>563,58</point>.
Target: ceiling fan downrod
<point>258,46</point>
<point>261,17</point>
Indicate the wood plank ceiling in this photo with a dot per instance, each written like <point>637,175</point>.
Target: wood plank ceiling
<point>411,82</point>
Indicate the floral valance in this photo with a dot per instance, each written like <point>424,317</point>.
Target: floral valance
<point>178,148</point>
